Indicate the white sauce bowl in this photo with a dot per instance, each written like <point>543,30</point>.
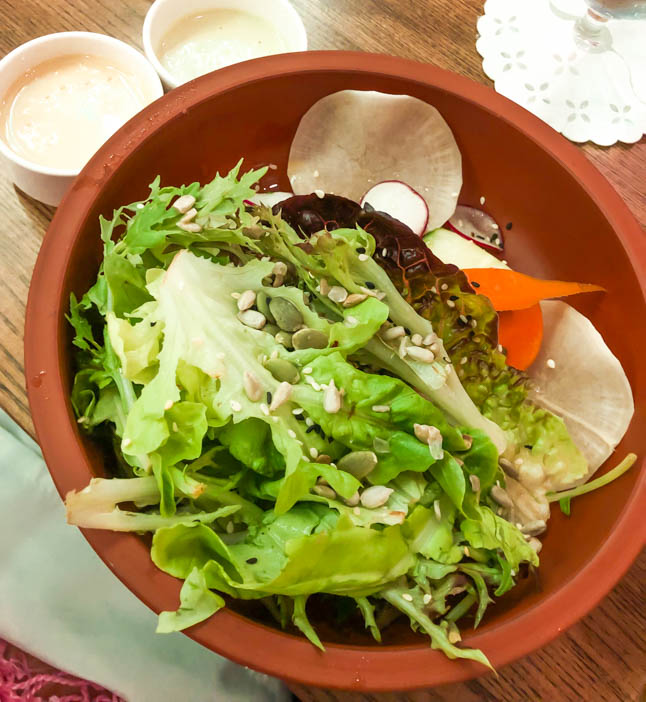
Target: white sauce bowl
<point>45,183</point>
<point>164,14</point>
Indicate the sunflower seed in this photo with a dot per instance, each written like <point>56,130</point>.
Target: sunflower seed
<point>352,501</point>
<point>324,491</point>
<point>280,397</point>
<point>252,386</point>
<point>468,441</point>
<point>338,294</point>
<point>323,458</point>
<point>253,319</point>
<point>358,463</point>
<point>417,353</point>
<point>331,398</point>
<point>534,528</point>
<point>184,203</point>
<point>475,482</point>
<point>286,314</point>
<point>534,544</point>
<point>416,339</point>
<point>508,468</point>
<point>192,227</point>
<point>354,299</point>
<point>501,496</point>
<point>246,300</point>
<point>279,268</point>
<point>393,333</point>
<point>324,287</point>
<point>309,339</point>
<point>375,496</point>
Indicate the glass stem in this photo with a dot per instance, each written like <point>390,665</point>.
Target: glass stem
<point>591,32</point>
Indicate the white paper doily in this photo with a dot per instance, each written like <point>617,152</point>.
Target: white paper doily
<point>529,50</point>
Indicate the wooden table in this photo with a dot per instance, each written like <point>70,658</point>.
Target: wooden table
<point>603,657</point>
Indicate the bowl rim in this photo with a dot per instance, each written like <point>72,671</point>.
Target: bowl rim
<point>261,647</point>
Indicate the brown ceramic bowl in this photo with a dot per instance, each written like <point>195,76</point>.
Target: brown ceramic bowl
<point>568,223</point>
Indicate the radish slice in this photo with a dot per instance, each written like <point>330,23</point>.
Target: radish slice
<point>578,378</point>
<point>399,201</point>
<point>477,226</point>
<point>269,199</point>
<point>353,139</point>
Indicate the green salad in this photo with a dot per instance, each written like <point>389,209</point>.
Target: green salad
<point>305,401</point>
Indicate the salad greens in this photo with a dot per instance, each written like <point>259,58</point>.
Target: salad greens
<point>291,416</point>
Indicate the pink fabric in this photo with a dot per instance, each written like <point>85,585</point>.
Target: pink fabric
<point>24,679</point>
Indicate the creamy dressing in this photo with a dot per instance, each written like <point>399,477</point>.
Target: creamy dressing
<point>201,43</point>
<point>60,112</point>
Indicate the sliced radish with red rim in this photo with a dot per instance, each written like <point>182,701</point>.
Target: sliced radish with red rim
<point>477,226</point>
<point>399,201</point>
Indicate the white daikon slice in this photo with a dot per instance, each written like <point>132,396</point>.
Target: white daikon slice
<point>350,140</point>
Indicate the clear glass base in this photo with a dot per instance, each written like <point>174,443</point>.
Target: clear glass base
<point>591,33</point>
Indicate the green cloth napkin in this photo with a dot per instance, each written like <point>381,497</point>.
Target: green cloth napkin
<point>59,602</point>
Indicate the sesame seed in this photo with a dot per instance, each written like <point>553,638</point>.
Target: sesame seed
<point>467,553</point>
<point>313,452</point>
<point>500,348</point>
<point>297,411</point>
<point>229,527</point>
<point>384,252</point>
<point>235,295</point>
<point>363,257</point>
<point>125,443</point>
<point>235,406</point>
<point>482,200</point>
<point>444,286</point>
<point>380,408</point>
<point>450,303</point>
<point>408,597</point>
<point>264,409</point>
<point>306,371</point>
<point>427,598</point>
<point>508,226</point>
<point>319,193</point>
<point>268,397</point>
<point>551,363</point>
<point>309,422</point>
<point>291,433</point>
<point>168,405</point>
<point>175,427</point>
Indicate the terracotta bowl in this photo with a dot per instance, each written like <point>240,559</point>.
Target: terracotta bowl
<point>568,223</point>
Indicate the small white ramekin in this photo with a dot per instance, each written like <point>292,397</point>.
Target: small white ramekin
<point>163,14</point>
<point>43,182</point>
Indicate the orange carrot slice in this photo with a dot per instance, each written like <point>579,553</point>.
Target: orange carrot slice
<point>510,290</point>
<point>521,332</point>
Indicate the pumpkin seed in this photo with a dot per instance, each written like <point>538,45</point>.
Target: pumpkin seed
<point>285,313</point>
<point>358,463</point>
<point>262,303</point>
<point>282,370</point>
<point>309,339</point>
<point>272,329</point>
<point>284,338</point>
